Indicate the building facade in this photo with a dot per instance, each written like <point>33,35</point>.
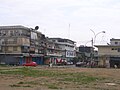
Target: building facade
<point>86,53</point>
<point>19,44</point>
<point>109,55</point>
<point>53,52</point>
<point>67,48</point>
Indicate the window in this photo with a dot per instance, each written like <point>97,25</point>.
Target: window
<point>14,48</point>
<point>116,42</point>
<point>0,33</point>
<point>118,49</point>
<point>6,48</point>
<point>11,33</point>
<point>114,48</point>
<point>12,41</point>
<point>3,33</point>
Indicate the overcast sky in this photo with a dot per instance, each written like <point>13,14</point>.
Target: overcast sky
<point>71,19</point>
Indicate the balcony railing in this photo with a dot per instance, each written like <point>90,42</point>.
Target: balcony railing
<point>54,54</point>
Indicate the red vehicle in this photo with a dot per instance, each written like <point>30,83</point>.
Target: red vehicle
<point>30,64</point>
<point>60,61</point>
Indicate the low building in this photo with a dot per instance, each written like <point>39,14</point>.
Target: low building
<point>109,55</point>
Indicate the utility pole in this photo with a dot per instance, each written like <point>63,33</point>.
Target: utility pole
<point>93,43</point>
<point>69,31</point>
<point>92,51</point>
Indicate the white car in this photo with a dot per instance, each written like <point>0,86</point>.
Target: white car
<point>80,64</point>
<point>69,63</point>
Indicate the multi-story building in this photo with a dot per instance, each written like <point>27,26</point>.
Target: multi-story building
<point>67,47</point>
<point>86,53</point>
<point>109,55</point>
<point>19,44</point>
<point>53,52</point>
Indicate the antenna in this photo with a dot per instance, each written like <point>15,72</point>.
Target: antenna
<point>69,31</point>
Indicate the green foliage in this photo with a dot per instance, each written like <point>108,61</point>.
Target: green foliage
<point>52,86</point>
<point>82,79</point>
<point>21,71</point>
<point>21,83</point>
<point>30,83</point>
<point>76,59</point>
<point>15,85</point>
<point>3,65</point>
<point>27,71</point>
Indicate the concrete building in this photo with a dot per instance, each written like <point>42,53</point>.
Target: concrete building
<point>86,53</point>
<point>19,44</point>
<point>109,55</point>
<point>67,48</point>
<point>53,52</point>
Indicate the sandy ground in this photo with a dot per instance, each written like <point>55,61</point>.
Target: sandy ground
<point>113,83</point>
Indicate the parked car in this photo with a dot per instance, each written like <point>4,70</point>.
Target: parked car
<point>30,64</point>
<point>60,61</point>
<point>81,64</point>
<point>69,63</point>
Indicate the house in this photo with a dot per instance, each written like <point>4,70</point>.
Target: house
<point>109,55</point>
<point>19,44</point>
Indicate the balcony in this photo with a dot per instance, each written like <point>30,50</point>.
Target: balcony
<point>54,54</point>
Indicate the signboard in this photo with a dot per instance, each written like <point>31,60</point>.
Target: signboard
<point>70,54</point>
<point>33,35</point>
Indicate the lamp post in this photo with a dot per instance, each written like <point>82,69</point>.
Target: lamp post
<point>95,35</point>
<point>93,43</point>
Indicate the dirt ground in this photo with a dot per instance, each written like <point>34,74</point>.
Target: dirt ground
<point>111,81</point>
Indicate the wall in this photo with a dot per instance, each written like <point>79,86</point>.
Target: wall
<point>115,42</point>
<point>104,61</point>
<point>8,59</point>
<point>108,50</point>
<point>23,41</point>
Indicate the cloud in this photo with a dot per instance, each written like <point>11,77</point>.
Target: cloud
<point>54,16</point>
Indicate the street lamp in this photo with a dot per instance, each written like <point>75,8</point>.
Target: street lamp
<point>95,35</point>
<point>93,43</point>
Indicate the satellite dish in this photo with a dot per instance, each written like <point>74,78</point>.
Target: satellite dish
<point>37,27</point>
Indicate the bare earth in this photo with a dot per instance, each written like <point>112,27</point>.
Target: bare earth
<point>112,81</point>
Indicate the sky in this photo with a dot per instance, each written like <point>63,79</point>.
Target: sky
<point>70,19</point>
